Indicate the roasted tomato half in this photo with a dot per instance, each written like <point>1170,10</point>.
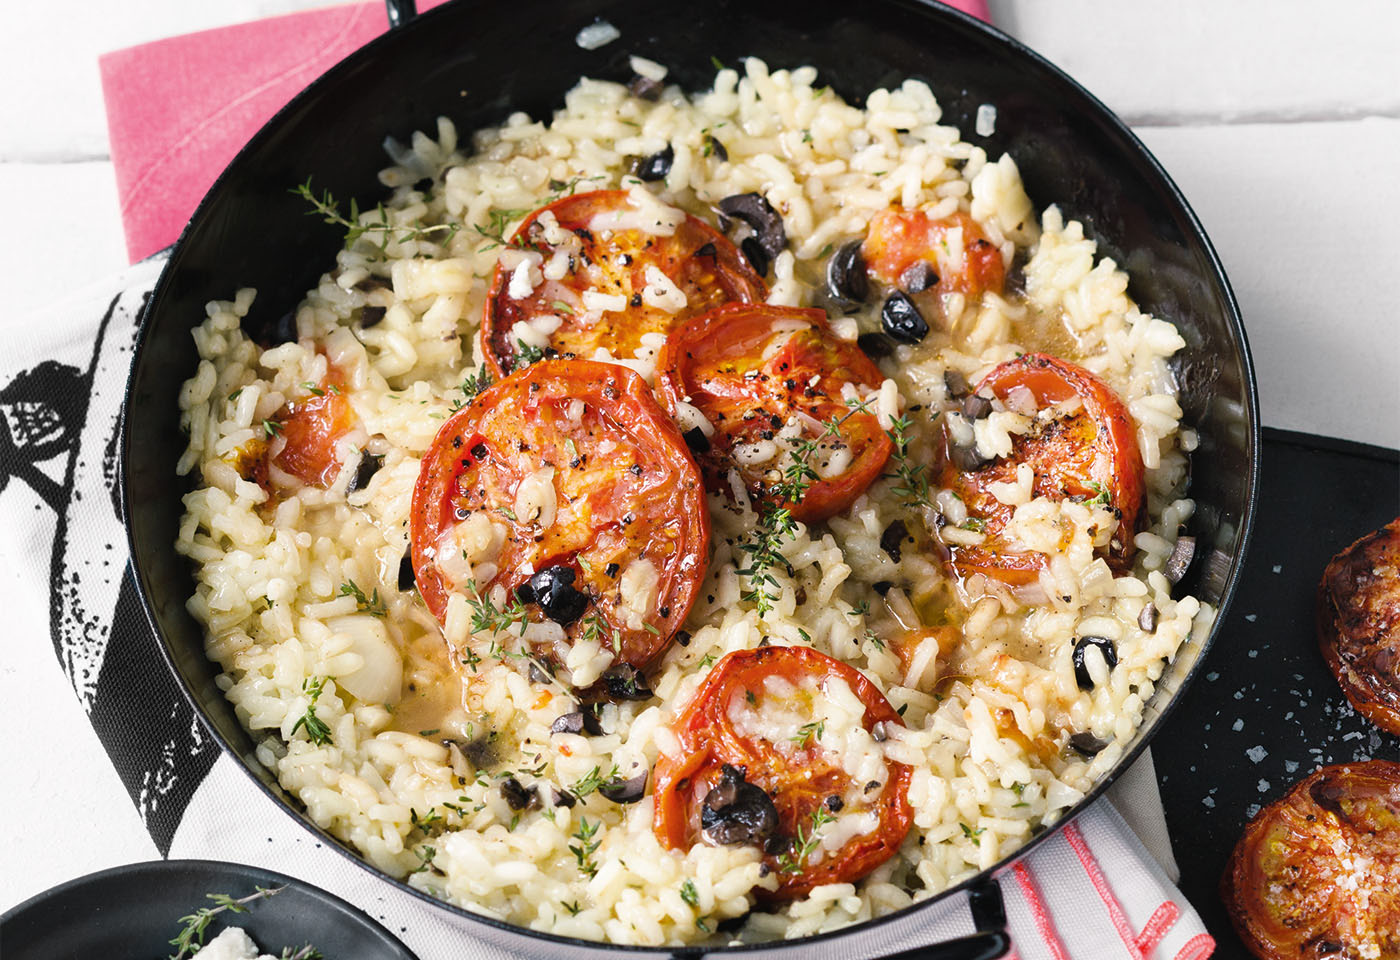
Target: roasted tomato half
<point>961,257</point>
<point>1358,624</point>
<point>758,764</point>
<point>595,270</point>
<point>769,380</point>
<point>1090,453</point>
<point>569,487</point>
<point>1317,873</point>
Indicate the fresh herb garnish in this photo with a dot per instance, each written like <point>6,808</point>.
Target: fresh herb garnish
<point>591,781</point>
<point>689,893</point>
<point>328,209</point>
<point>495,229</point>
<point>808,731</point>
<point>316,729</point>
<point>585,848</point>
<point>801,846</point>
<point>525,354</point>
<point>371,604</point>
<point>913,481</point>
<point>488,618</point>
<point>191,937</point>
<point>271,428</point>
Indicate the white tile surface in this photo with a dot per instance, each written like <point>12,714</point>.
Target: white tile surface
<point>1207,61</point>
<point>1303,214</point>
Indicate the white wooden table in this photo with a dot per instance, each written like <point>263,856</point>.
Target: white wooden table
<point>1279,119</point>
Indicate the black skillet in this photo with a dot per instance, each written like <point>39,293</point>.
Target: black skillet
<point>477,63</point>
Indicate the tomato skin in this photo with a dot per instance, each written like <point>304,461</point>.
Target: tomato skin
<point>1097,446</point>
<point>1358,624</point>
<point>310,429</point>
<point>613,265</point>
<point>1281,885</point>
<point>708,741</point>
<point>625,484</point>
<point>715,362</point>
<point>897,239</point>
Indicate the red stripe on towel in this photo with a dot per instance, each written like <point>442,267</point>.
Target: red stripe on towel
<point>1105,892</point>
<point>1157,926</point>
<point>1038,911</point>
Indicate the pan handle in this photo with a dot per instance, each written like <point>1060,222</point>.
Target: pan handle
<point>989,943</point>
<point>400,12</point>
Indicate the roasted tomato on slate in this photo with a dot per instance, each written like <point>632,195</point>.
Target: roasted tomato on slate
<point>769,380</point>
<point>1090,453</point>
<point>602,270</point>
<point>584,490</point>
<point>1358,624</point>
<point>1317,873</point>
<point>757,766</point>
<point>904,249</point>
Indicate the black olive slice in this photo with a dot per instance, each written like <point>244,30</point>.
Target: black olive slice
<point>1087,744</point>
<point>645,87</point>
<point>895,535</point>
<point>875,345</point>
<point>656,166</point>
<point>696,440</point>
<point>717,149</point>
<point>622,681</point>
<point>1081,671</point>
<point>582,720</point>
<point>846,278</point>
<point>1182,554</point>
<point>966,456</point>
<point>975,406</point>
<point>917,277</point>
<point>625,791</point>
<point>902,320</point>
<point>518,797</point>
<point>1147,620</point>
<point>759,214</point>
<point>553,589</point>
<point>754,253</point>
<point>406,573</point>
<point>364,473</point>
<point>562,798</point>
<point>735,811</point>
<point>370,317</point>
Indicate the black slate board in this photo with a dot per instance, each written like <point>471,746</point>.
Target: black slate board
<point>1265,710</point>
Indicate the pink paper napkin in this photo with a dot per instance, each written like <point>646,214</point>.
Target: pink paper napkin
<point>178,110</point>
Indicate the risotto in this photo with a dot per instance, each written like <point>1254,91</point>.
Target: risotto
<point>698,518</point>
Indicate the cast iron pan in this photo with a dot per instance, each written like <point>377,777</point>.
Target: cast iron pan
<point>134,910</point>
<point>479,63</point>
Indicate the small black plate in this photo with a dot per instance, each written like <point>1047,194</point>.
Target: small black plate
<point>133,911</point>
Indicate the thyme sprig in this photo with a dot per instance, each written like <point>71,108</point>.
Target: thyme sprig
<point>801,846</point>
<point>355,226</point>
<point>809,731</point>
<point>317,731</point>
<point>912,479</point>
<point>488,618</point>
<point>591,781</point>
<point>188,940</point>
<point>588,841</point>
<point>371,604</point>
<point>471,387</point>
